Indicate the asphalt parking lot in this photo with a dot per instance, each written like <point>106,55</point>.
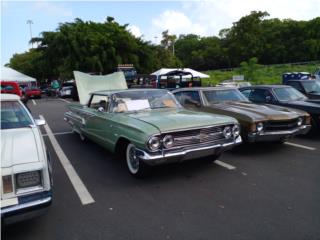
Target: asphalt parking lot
<point>257,191</point>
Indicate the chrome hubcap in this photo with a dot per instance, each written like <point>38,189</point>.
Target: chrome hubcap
<point>134,161</point>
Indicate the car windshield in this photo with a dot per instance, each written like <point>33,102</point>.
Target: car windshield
<point>14,115</point>
<point>311,86</point>
<point>289,94</point>
<point>130,101</point>
<point>214,96</point>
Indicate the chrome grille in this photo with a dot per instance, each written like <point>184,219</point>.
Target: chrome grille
<point>199,136</point>
<point>281,125</point>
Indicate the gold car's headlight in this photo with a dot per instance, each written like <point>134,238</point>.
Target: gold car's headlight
<point>28,179</point>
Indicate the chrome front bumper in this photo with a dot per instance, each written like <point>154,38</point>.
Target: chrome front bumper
<point>278,135</point>
<point>26,210</point>
<point>186,153</point>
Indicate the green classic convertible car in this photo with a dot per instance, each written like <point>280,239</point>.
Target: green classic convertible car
<point>147,126</point>
<point>258,122</point>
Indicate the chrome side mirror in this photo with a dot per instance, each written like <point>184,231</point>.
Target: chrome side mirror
<point>40,122</point>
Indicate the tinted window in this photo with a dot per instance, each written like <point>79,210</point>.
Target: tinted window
<point>288,94</point>
<point>7,88</point>
<point>13,115</point>
<point>296,85</point>
<point>311,86</point>
<point>246,92</point>
<point>259,95</point>
<point>224,95</point>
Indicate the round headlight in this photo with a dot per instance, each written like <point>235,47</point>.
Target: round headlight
<point>236,131</point>
<point>300,121</point>
<point>168,141</point>
<point>259,127</point>
<point>154,143</point>
<point>227,132</point>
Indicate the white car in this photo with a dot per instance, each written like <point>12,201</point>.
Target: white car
<point>26,184</point>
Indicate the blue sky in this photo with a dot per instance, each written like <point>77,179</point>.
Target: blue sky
<point>147,18</point>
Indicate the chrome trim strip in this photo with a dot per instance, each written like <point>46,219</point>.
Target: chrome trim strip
<point>26,205</point>
<point>149,158</point>
<point>199,128</point>
<point>304,127</point>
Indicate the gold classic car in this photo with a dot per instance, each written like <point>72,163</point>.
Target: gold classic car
<point>258,122</point>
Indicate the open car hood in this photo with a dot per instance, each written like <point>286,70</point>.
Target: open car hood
<point>87,84</point>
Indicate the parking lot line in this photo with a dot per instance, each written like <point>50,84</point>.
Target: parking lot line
<point>64,100</point>
<point>58,133</point>
<point>34,102</point>
<point>300,146</point>
<point>225,165</point>
<point>80,188</point>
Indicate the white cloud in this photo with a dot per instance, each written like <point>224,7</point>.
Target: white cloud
<point>135,30</point>
<point>207,18</point>
<point>51,8</point>
<point>177,22</point>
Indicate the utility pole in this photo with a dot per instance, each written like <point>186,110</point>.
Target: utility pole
<point>30,22</point>
<point>173,47</point>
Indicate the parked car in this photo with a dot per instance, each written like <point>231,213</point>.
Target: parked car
<point>14,88</point>
<point>310,88</point>
<point>286,96</point>
<point>66,89</point>
<point>33,92</point>
<point>147,126</point>
<point>258,123</point>
<point>25,166</point>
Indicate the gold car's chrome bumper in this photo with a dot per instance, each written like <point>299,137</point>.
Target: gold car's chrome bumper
<point>270,136</point>
<point>186,153</point>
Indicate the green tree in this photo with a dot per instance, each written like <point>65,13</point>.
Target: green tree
<point>249,69</point>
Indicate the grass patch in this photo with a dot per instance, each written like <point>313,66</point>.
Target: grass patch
<point>269,74</point>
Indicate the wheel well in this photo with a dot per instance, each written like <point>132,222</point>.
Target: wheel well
<point>121,145</point>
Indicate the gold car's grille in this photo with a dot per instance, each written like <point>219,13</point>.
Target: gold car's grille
<point>282,125</point>
<point>204,135</point>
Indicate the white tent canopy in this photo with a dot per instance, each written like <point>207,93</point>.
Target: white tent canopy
<point>194,73</point>
<point>8,74</point>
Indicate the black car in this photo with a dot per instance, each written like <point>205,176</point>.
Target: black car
<point>310,88</point>
<point>285,96</point>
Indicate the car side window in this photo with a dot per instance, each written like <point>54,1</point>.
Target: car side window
<point>296,85</point>
<point>261,95</point>
<point>7,87</point>
<point>189,98</point>
<point>99,102</point>
<point>246,92</point>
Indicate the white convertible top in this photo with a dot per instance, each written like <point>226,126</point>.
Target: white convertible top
<point>9,97</point>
